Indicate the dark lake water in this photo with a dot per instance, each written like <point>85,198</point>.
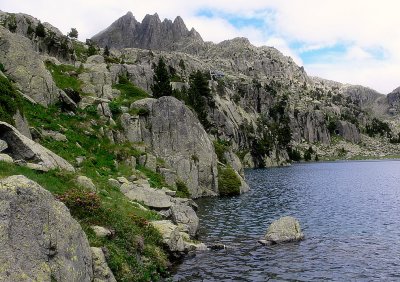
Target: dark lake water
<point>349,213</point>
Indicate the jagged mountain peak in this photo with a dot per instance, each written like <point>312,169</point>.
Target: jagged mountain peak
<point>129,14</point>
<point>151,33</point>
<point>151,18</point>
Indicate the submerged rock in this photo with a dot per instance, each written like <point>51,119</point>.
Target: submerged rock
<point>39,240</point>
<point>285,229</point>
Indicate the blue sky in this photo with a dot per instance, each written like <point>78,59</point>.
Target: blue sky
<point>355,41</point>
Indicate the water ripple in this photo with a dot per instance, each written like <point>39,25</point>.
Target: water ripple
<point>349,212</point>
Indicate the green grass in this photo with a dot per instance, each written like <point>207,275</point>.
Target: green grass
<point>103,160</point>
<point>221,147</point>
<point>182,190</point>
<point>129,92</point>
<point>110,209</point>
<point>156,180</point>
<point>10,101</point>
<point>81,52</point>
<point>62,78</point>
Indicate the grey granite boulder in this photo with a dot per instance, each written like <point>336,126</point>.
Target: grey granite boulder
<point>348,131</point>
<point>86,182</point>
<point>285,229</point>
<point>150,197</point>
<point>186,218</point>
<point>3,145</point>
<point>26,68</point>
<point>101,271</point>
<point>39,240</point>
<point>22,148</point>
<point>171,235</point>
<point>6,158</point>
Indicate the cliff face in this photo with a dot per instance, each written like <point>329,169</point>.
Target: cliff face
<point>260,96</point>
<point>151,33</point>
<point>175,135</point>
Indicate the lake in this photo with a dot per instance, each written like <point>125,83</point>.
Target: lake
<point>349,212</point>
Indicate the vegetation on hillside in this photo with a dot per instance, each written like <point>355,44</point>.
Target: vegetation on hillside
<point>10,101</point>
<point>161,86</point>
<point>228,182</point>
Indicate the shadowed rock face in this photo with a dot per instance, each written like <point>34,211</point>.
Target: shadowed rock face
<point>394,100</point>
<point>127,32</point>
<point>39,240</point>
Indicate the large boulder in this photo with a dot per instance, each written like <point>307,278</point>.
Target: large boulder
<point>101,271</point>
<point>39,240</point>
<point>152,198</point>
<point>175,134</point>
<point>185,216</point>
<point>21,147</point>
<point>348,131</point>
<point>24,66</point>
<point>285,229</point>
<point>172,237</point>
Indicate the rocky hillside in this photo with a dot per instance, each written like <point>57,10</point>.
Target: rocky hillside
<point>125,137</point>
<point>267,108</point>
<point>76,148</point>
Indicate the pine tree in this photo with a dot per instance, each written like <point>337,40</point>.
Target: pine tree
<point>161,86</point>
<point>106,51</point>
<point>73,33</point>
<point>198,95</point>
<point>40,31</point>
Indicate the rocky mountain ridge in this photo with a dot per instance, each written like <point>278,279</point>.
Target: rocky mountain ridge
<point>151,33</point>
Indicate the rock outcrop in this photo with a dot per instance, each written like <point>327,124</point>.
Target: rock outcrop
<point>33,154</point>
<point>101,271</point>
<point>39,240</point>
<point>348,131</point>
<point>179,210</point>
<point>152,34</point>
<point>285,229</point>
<point>152,198</point>
<point>393,99</point>
<point>174,134</point>
<point>25,66</point>
<point>52,42</point>
<point>171,236</point>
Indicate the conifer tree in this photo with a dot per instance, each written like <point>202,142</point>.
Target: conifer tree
<point>161,86</point>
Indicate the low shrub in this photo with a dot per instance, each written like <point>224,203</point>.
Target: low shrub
<point>10,101</point>
<point>228,182</point>
<point>80,201</point>
<point>182,190</point>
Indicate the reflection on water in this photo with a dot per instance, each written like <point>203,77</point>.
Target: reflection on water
<point>349,212</point>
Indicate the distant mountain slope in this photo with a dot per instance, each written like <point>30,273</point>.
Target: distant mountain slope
<point>151,33</point>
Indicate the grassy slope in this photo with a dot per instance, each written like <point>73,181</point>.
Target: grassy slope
<point>135,253</point>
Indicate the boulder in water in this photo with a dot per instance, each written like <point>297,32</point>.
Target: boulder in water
<point>286,229</point>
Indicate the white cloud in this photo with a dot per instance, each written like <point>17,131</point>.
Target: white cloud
<point>282,46</point>
<point>361,25</point>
